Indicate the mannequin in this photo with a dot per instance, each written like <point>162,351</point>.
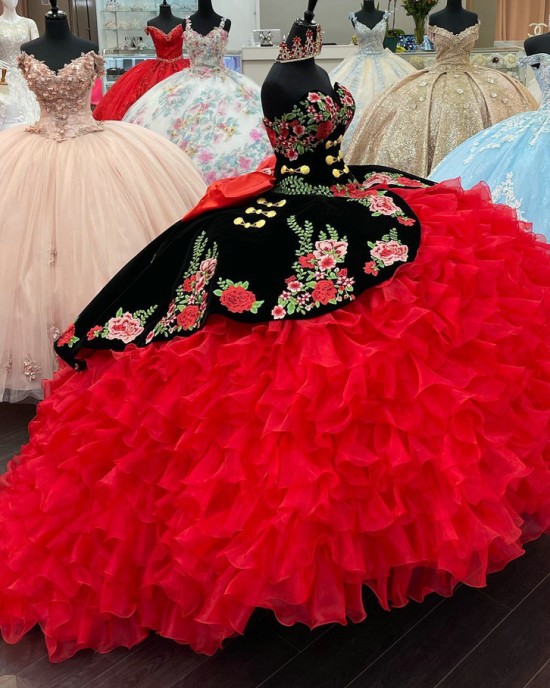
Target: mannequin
<point>287,82</point>
<point>538,44</point>
<point>165,21</point>
<point>454,17</point>
<point>206,20</point>
<point>19,106</point>
<point>369,15</point>
<point>58,46</point>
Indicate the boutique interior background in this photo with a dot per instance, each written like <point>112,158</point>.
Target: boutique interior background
<point>500,19</point>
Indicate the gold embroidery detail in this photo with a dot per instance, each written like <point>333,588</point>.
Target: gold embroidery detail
<point>280,204</point>
<point>258,211</point>
<point>249,225</point>
<point>304,169</point>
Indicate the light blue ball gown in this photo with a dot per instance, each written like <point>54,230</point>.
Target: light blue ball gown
<point>512,157</point>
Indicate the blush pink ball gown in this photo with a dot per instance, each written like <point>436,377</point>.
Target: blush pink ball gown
<point>80,199</point>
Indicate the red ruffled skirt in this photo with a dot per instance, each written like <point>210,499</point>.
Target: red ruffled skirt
<point>131,86</point>
<point>401,443</point>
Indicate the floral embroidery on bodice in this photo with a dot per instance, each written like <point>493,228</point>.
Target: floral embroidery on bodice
<point>64,97</point>
<point>307,139</point>
<point>206,51</point>
<point>12,36</point>
<point>453,49</point>
<point>370,41</point>
<point>542,75</point>
<point>168,46</point>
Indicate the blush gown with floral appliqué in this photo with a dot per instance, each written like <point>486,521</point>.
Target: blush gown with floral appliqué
<point>138,80</point>
<point>314,382</point>
<point>212,113</point>
<point>419,120</point>
<point>81,198</point>
<point>512,157</point>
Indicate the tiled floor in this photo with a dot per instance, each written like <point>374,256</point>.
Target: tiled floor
<point>498,637</point>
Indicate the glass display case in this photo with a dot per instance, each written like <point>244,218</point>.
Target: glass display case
<point>121,23</point>
<point>118,62</point>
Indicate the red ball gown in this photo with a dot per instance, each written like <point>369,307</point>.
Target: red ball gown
<point>138,80</point>
<point>315,382</point>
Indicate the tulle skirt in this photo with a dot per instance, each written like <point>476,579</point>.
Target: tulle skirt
<point>400,443</point>
<point>132,85</point>
<point>419,120</point>
<point>366,76</point>
<point>71,215</point>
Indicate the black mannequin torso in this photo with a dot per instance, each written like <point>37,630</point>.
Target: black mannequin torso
<point>454,17</point>
<point>58,46</point>
<point>206,20</point>
<point>287,83</point>
<point>165,21</point>
<point>538,44</point>
<point>369,15</point>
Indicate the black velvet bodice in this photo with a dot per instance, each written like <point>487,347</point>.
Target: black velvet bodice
<point>308,240</point>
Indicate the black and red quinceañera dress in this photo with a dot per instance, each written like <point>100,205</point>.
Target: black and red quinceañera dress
<point>317,381</point>
<point>135,82</point>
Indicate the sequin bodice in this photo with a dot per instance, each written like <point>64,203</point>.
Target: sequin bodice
<point>168,46</point>
<point>64,97</point>
<point>206,51</point>
<point>307,139</point>
<point>370,41</point>
<point>13,35</point>
<point>453,49</point>
<point>542,75</point>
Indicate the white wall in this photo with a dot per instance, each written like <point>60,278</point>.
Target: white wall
<point>243,19</point>
<point>280,14</point>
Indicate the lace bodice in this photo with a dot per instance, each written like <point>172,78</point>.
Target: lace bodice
<point>453,49</point>
<point>168,46</point>
<point>64,97</point>
<point>13,35</point>
<point>542,75</point>
<point>307,139</point>
<point>209,50</point>
<point>370,41</point>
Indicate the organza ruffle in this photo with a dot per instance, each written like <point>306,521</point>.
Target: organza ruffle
<point>399,443</point>
<point>131,86</point>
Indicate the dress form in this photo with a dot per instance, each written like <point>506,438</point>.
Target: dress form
<point>454,17</point>
<point>58,46</point>
<point>369,15</point>
<point>287,82</point>
<point>206,20</point>
<point>538,44</point>
<point>165,20</point>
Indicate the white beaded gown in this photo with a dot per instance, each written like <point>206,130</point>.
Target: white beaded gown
<point>81,198</point>
<point>370,70</point>
<point>18,104</point>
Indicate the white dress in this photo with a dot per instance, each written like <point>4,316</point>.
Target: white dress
<point>370,70</point>
<point>18,104</point>
<point>212,113</point>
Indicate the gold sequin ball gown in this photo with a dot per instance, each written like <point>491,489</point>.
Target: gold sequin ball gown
<point>370,70</point>
<point>80,199</point>
<point>17,102</point>
<point>417,122</point>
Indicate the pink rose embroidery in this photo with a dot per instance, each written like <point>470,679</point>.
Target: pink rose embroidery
<point>383,205</point>
<point>377,179</point>
<point>208,266</point>
<point>126,328</point>
<point>390,252</point>
<point>278,312</point>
